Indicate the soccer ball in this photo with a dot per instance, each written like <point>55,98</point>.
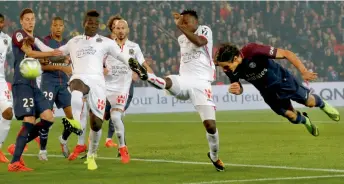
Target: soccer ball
<point>30,68</point>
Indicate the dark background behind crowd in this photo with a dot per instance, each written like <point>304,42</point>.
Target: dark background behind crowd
<point>313,30</point>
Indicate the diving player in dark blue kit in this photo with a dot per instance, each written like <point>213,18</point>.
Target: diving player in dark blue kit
<point>54,84</point>
<point>28,101</point>
<point>254,63</point>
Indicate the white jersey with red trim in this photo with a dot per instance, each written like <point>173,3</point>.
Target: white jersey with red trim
<point>120,75</point>
<point>196,62</point>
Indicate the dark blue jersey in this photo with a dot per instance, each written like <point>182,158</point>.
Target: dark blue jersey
<point>259,68</point>
<point>17,43</point>
<point>54,77</point>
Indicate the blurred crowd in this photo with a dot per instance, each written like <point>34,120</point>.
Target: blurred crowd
<point>313,30</point>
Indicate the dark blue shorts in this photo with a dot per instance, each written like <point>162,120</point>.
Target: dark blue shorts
<point>280,96</point>
<point>28,101</point>
<point>57,94</point>
<point>130,97</point>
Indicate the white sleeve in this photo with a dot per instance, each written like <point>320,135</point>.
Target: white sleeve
<point>65,48</point>
<point>9,50</point>
<point>205,32</point>
<point>114,50</point>
<point>42,46</point>
<point>139,55</point>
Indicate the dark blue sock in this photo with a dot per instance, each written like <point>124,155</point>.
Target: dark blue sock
<point>318,101</point>
<point>21,141</point>
<point>299,119</point>
<point>111,130</point>
<point>43,133</point>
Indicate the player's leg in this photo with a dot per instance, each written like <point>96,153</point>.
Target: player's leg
<point>97,102</point>
<point>315,100</point>
<point>283,107</point>
<point>111,130</point>
<point>201,97</point>
<point>78,89</point>
<point>118,101</point>
<point>81,146</point>
<point>24,109</point>
<point>7,115</point>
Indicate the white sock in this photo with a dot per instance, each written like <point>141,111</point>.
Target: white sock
<point>156,82</point>
<point>94,141</point>
<point>213,141</point>
<point>83,122</point>
<point>4,129</point>
<point>116,118</point>
<point>77,103</point>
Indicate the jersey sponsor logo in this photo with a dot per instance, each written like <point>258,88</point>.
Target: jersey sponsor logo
<point>187,57</point>
<point>252,65</point>
<point>119,70</point>
<point>85,51</point>
<point>131,52</point>
<point>256,76</point>
<point>19,36</point>
<point>271,51</point>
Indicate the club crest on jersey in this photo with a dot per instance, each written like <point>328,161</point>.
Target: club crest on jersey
<point>131,51</point>
<point>99,40</point>
<point>5,41</point>
<point>252,65</point>
<point>19,37</point>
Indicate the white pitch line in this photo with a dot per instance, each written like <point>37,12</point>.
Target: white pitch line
<point>221,121</point>
<point>207,163</point>
<point>268,179</point>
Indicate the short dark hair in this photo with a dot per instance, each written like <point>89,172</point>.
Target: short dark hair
<point>91,13</point>
<point>56,18</point>
<point>2,16</point>
<point>111,19</point>
<point>190,12</point>
<point>226,53</point>
<point>25,11</point>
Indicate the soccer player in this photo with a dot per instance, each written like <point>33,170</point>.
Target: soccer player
<point>29,102</point>
<point>254,63</point>
<point>196,73</point>
<point>118,82</point>
<point>5,94</point>
<point>87,52</point>
<point>54,84</point>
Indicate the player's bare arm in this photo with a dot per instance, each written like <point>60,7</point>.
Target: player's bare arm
<point>26,48</point>
<point>291,56</point>
<point>195,39</point>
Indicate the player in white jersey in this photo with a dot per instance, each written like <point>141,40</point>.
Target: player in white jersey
<point>118,81</point>
<point>196,73</point>
<point>5,94</point>
<point>87,52</point>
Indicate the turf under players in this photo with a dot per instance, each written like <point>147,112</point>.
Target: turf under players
<point>29,101</point>
<point>254,63</point>
<point>87,52</point>
<point>118,81</point>
<point>5,94</point>
<point>196,73</point>
<point>54,84</point>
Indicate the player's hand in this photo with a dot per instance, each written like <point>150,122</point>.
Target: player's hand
<point>178,19</point>
<point>106,71</point>
<point>68,70</point>
<point>309,76</point>
<point>56,52</point>
<point>44,61</point>
<point>234,88</point>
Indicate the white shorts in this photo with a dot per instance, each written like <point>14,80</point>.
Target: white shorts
<point>6,100</point>
<point>198,91</point>
<point>117,99</point>
<point>96,98</point>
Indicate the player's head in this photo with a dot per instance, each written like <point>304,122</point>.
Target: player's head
<point>57,26</point>
<point>91,23</point>
<point>190,19</point>
<point>2,21</point>
<point>121,29</point>
<point>228,57</point>
<point>27,19</point>
<point>112,22</point>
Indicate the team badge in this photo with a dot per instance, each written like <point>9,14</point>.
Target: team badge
<point>99,40</point>
<point>131,51</point>
<point>252,65</point>
<point>19,37</point>
<point>5,41</point>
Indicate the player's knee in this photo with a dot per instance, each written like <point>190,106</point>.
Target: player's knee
<point>47,115</point>
<point>68,112</point>
<point>168,82</point>
<point>310,101</point>
<point>29,119</point>
<point>8,114</point>
<point>210,126</point>
<point>116,115</point>
<point>78,85</point>
<point>97,124</point>
<point>291,116</point>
